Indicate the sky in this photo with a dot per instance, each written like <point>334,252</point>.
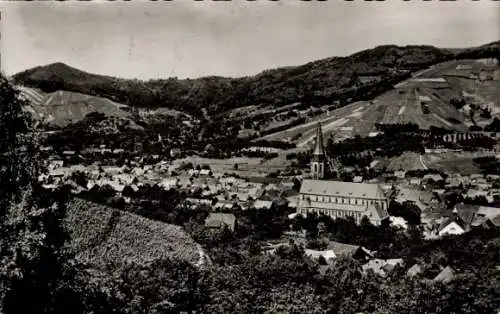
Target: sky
<point>185,38</point>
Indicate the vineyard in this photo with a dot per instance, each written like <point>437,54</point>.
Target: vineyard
<point>110,239</point>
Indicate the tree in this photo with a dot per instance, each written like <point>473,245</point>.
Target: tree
<point>165,286</point>
<point>31,237</point>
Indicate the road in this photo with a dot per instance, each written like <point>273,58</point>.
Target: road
<point>422,162</point>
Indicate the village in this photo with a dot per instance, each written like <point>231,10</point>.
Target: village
<point>226,192</point>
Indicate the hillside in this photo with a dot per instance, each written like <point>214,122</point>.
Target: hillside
<point>109,239</point>
<point>424,99</point>
<point>62,108</point>
<point>358,76</point>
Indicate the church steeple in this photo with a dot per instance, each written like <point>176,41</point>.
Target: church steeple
<point>318,145</point>
<point>318,161</point>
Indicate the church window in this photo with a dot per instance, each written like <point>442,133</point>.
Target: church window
<point>315,167</point>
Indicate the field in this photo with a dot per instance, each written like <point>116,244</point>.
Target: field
<point>104,237</point>
<point>432,88</point>
<point>451,162</point>
<point>407,161</point>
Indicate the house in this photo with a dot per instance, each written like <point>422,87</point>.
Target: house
<point>328,255</point>
<point>445,276</point>
<point>475,216</point>
<point>357,179</point>
<point>221,220</point>
<point>59,173</point>
<point>343,199</point>
<point>382,267</point>
<point>175,153</point>
<point>260,204</point>
<point>169,183</point>
<point>224,204</point>
<point>193,172</point>
<point>199,201</point>
<point>415,181</point>
<point>205,172</point>
<point>68,152</point>
<point>54,164</point>
<point>434,177</point>
<point>451,226</point>
<point>414,270</point>
<point>400,174</point>
<point>355,251</point>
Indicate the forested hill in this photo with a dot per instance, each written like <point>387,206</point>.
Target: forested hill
<point>320,82</point>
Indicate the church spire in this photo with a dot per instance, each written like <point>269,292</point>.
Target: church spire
<point>318,160</point>
<point>318,145</point>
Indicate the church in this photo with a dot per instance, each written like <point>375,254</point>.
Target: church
<point>336,198</point>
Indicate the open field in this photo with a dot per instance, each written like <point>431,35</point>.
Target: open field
<point>455,162</point>
<point>406,161</point>
<point>309,127</point>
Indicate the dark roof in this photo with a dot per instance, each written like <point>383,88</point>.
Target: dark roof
<point>467,212</point>
<point>342,189</point>
<point>343,249</point>
<point>448,221</point>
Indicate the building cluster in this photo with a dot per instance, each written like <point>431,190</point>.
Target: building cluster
<point>359,199</point>
<point>200,186</point>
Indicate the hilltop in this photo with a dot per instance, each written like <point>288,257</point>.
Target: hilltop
<point>356,77</point>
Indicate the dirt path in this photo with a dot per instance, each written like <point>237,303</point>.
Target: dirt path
<point>422,162</point>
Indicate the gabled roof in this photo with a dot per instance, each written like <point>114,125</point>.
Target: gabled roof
<point>342,189</point>
<point>414,270</point>
<point>451,220</point>
<point>327,254</point>
<point>377,212</point>
<point>446,275</point>
<point>343,249</point>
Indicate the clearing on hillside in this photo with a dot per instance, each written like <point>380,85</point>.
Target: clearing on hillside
<point>62,108</point>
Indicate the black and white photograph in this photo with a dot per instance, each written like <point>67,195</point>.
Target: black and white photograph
<point>290,156</point>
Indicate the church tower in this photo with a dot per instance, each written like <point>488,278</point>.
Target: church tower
<point>318,160</point>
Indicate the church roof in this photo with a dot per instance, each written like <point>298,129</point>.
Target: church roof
<point>342,189</point>
<point>318,145</point>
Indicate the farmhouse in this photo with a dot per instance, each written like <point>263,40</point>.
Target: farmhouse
<point>339,199</point>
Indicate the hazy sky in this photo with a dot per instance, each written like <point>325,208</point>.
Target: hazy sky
<point>185,38</point>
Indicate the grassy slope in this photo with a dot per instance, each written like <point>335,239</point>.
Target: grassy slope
<point>105,237</point>
<point>62,108</point>
<point>316,82</point>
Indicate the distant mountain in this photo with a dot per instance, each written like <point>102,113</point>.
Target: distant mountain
<point>318,82</point>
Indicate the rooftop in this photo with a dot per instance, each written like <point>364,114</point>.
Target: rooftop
<point>342,189</point>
